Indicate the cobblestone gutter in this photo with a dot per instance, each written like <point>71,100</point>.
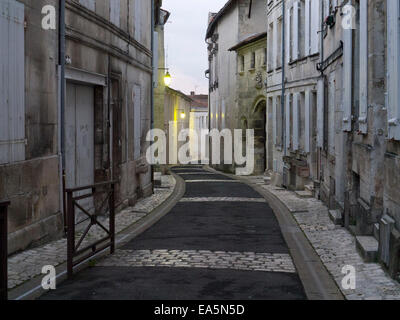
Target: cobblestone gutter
<point>336,247</point>
<point>27,265</point>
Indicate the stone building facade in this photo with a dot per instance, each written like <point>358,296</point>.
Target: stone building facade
<point>237,21</point>
<point>107,108</point>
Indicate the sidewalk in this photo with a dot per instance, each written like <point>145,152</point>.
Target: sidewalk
<point>27,265</point>
<point>335,246</point>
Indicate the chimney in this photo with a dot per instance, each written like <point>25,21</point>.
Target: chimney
<point>192,93</point>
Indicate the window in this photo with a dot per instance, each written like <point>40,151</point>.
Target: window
<point>115,12</point>
<point>138,15</point>
<point>253,61</point>
<point>315,25</point>
<point>279,121</point>
<point>265,57</point>
<point>393,65</point>
<point>12,89</point>
<point>363,115</point>
<point>241,63</point>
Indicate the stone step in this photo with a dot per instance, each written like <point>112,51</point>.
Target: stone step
<point>367,246</point>
<point>336,217</point>
<point>157,179</point>
<point>304,194</point>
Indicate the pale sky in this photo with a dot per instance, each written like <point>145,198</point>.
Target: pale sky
<point>185,44</point>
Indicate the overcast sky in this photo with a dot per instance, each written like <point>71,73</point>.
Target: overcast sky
<point>184,42</point>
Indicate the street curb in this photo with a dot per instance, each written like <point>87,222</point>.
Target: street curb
<point>317,281</point>
<point>32,289</point>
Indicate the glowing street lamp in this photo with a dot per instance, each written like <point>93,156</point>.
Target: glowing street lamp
<point>167,79</point>
<point>183,115</point>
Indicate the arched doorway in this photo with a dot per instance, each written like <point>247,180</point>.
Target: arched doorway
<point>260,136</point>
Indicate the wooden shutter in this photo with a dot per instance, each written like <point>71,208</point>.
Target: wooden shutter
<point>12,82</point>
<point>288,33</point>
<point>315,26</point>
<point>137,118</point>
<point>296,121</point>
<point>347,78</point>
<point>307,28</point>
<point>320,112</point>
<point>307,120</point>
<point>393,43</point>
<point>274,120</point>
<point>90,4</point>
<point>287,121</point>
<point>115,12</point>
<point>363,118</point>
<point>296,30</point>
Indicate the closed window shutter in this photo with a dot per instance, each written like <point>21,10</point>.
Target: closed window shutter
<point>155,60</point>
<point>90,4</point>
<point>347,78</point>
<point>315,26</point>
<point>307,121</point>
<point>320,113</point>
<point>274,120</point>
<point>115,12</point>
<point>296,121</point>
<point>363,124</point>
<point>138,19</point>
<point>12,82</point>
<point>288,40</point>
<point>307,28</point>
<point>287,118</point>
<point>296,29</point>
<point>137,118</point>
<point>393,43</point>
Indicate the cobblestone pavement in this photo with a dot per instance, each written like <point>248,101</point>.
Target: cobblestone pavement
<point>28,264</point>
<point>222,241</point>
<point>336,247</point>
<point>248,261</point>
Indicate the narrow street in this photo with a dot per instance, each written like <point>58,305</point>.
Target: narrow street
<point>221,241</point>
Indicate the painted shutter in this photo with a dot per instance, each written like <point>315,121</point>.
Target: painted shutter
<point>275,52</point>
<point>274,121</point>
<point>347,78</point>
<point>288,40</point>
<point>90,4</point>
<point>138,19</point>
<point>12,82</point>
<point>315,26</point>
<point>307,119</point>
<point>320,112</point>
<point>363,119</point>
<point>287,119</point>
<point>307,28</point>
<point>296,29</point>
<point>296,121</point>
<point>155,60</point>
<point>393,43</point>
<point>115,12</point>
<point>137,119</point>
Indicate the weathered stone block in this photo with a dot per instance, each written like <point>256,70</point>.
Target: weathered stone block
<point>336,217</point>
<point>368,248</point>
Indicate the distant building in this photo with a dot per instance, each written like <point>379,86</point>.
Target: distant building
<point>233,77</point>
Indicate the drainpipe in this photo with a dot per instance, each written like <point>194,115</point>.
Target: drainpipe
<point>283,78</point>
<point>322,76</point>
<point>152,80</point>
<point>61,103</point>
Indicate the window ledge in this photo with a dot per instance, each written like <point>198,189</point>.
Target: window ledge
<point>252,70</point>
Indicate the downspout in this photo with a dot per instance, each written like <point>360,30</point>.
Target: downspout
<point>61,103</point>
<point>322,76</point>
<point>152,82</point>
<point>283,78</point>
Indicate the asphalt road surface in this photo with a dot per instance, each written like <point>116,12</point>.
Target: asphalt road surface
<point>221,241</point>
